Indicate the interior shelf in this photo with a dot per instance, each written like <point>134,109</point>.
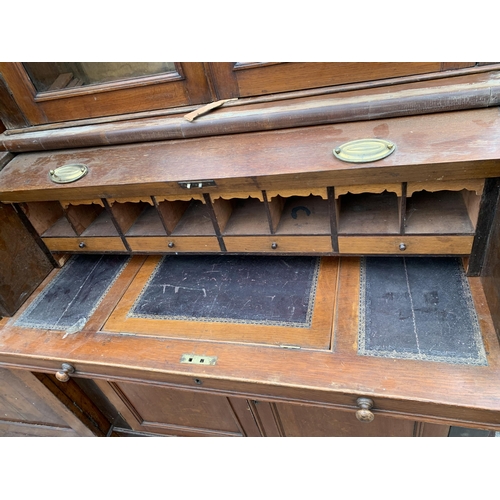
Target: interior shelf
<point>148,223</point>
<point>102,226</point>
<point>195,221</point>
<point>441,212</point>
<point>368,213</point>
<point>304,215</point>
<point>248,217</point>
<point>61,229</point>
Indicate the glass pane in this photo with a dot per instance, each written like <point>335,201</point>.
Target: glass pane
<point>57,76</point>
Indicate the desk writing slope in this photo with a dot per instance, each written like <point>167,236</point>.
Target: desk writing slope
<point>263,300</point>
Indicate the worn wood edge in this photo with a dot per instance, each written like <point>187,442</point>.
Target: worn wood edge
<point>289,114</point>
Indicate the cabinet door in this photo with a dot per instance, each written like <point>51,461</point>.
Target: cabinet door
<point>258,78</point>
<point>56,92</point>
<point>28,408</point>
<point>174,412</point>
<point>293,420</point>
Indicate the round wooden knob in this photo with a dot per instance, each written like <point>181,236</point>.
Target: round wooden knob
<point>364,414</point>
<point>63,374</point>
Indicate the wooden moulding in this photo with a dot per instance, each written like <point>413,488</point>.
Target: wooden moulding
<point>443,393</point>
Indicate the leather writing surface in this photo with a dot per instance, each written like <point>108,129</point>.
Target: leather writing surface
<point>72,296</point>
<point>418,308</point>
<point>236,289</point>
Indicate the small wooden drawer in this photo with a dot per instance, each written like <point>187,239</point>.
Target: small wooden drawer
<point>174,244</point>
<point>89,244</point>
<point>288,244</point>
<point>403,245</point>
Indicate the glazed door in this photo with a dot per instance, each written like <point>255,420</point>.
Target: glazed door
<point>58,92</point>
<point>245,79</point>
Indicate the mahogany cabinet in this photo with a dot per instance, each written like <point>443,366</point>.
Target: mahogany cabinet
<point>235,275</point>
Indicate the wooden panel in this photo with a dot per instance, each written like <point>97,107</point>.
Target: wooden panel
<point>173,412</point>
<point>103,244</point>
<point>476,185</point>
<point>310,421</point>
<point>248,217</point>
<point>428,245</point>
<point>442,212</point>
<point>82,216</point>
<point>42,215</point>
<point>490,274</point>
<point>368,213</point>
<point>285,244</point>
<point>283,77</point>
<point>125,214</point>
<point>27,407</point>
<point>180,244</point>
<point>23,263</point>
<point>21,429</point>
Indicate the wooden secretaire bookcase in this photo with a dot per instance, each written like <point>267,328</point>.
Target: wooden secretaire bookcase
<point>214,249</point>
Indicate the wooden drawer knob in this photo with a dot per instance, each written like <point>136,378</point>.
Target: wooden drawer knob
<point>63,374</point>
<point>364,414</point>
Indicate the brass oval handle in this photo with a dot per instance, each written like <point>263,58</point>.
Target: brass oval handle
<point>171,244</point>
<point>63,374</point>
<point>402,247</point>
<point>364,414</point>
<point>274,245</point>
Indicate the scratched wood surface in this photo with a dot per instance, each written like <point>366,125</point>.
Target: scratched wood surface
<point>284,159</point>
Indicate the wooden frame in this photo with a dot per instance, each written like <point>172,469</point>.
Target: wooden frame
<point>188,86</point>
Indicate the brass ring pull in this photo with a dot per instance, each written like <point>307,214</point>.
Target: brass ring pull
<point>364,414</point>
<point>63,374</point>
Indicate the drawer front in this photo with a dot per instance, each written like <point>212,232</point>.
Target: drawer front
<point>97,244</point>
<point>428,245</point>
<point>288,244</point>
<point>174,244</point>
